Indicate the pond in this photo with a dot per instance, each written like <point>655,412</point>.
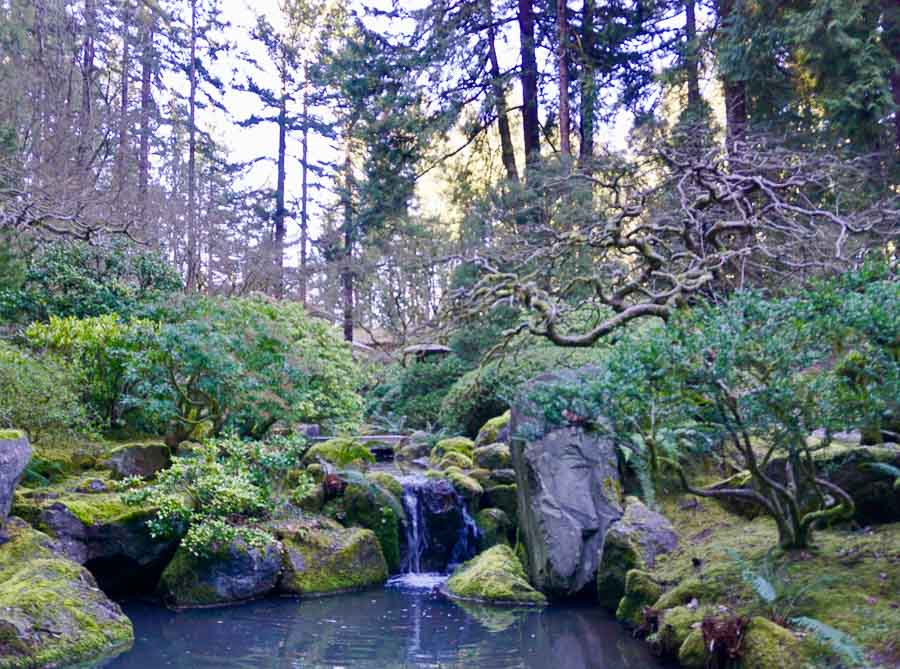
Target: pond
<point>399,626</point>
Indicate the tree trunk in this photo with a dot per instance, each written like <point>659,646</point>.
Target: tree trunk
<point>122,148</point>
<point>304,188</point>
<point>735,91</point>
<point>347,267</point>
<point>87,83</point>
<point>565,147</point>
<point>530,122</point>
<point>588,85</point>
<point>507,150</point>
<point>691,63</point>
<point>146,110</point>
<point>279,199</point>
<point>192,268</point>
<point>891,17</point>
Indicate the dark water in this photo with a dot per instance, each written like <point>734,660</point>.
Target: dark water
<point>379,628</point>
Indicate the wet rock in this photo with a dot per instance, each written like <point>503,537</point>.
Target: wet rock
<point>568,494</point>
<point>495,430</point>
<point>495,576</point>
<point>632,542</point>
<point>322,558</point>
<point>494,528</point>
<point>241,572</point>
<point>374,507</point>
<point>504,476</point>
<point>442,514</point>
<point>15,454</point>
<point>467,487</point>
<point>502,496</point>
<point>51,611</point>
<point>143,460</point>
<point>91,526</point>
<point>492,456</point>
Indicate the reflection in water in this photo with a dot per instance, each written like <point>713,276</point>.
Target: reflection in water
<point>379,629</point>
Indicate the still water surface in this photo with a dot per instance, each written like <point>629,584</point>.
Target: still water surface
<point>383,628</point>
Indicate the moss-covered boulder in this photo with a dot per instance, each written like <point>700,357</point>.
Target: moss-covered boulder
<point>323,558</point>
<point>15,453</point>
<point>412,451</point>
<point>372,506</point>
<point>51,611</point>
<point>492,456</point>
<point>388,482</point>
<point>495,430</point>
<point>454,459</point>
<point>632,542</point>
<point>467,487</point>
<point>769,646</point>
<point>505,476</point>
<point>693,653</point>
<point>675,625</point>
<point>501,496</point>
<point>336,452</point>
<point>141,459</point>
<point>89,522</point>
<point>494,527</point>
<point>240,572</point>
<point>462,445</point>
<point>496,577</point>
<point>641,591</point>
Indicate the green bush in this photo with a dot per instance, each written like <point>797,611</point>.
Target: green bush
<point>415,392</point>
<point>101,349</point>
<point>486,392</point>
<point>73,278</point>
<point>244,363</point>
<point>39,394</point>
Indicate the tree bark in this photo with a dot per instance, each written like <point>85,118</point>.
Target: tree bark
<point>507,149</point>
<point>279,198</point>
<point>347,267</point>
<point>192,269</point>
<point>565,147</point>
<point>691,63</point>
<point>588,85</point>
<point>891,17</point>
<point>735,91</point>
<point>304,188</point>
<point>146,111</point>
<point>530,122</point>
<point>87,83</point>
<point>122,149</point>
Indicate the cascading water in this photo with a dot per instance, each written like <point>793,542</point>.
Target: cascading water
<point>440,532</point>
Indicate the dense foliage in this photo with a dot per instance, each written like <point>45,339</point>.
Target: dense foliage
<point>751,379</point>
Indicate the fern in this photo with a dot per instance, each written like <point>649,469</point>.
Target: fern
<point>840,642</point>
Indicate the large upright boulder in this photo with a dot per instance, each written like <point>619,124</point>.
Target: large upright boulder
<point>568,492</point>
<point>142,460</point>
<point>15,454</point>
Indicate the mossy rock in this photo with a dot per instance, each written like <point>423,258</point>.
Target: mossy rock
<point>481,475</point>
<point>492,431</point>
<point>373,507</point>
<point>502,496</point>
<point>138,459</point>
<point>51,611</point>
<point>467,487</point>
<point>641,591</point>
<point>462,445</point>
<point>331,451</point>
<point>324,559</point>
<point>496,577</point>
<point>455,459</point>
<point>493,456</point>
<point>239,573</point>
<point>693,653</point>
<point>632,542</point>
<point>675,625</point>
<point>494,527</point>
<point>313,500</point>
<point>388,482</point>
<point>769,646</point>
<point>89,525</point>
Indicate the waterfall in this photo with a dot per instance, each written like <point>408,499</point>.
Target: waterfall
<point>440,532</point>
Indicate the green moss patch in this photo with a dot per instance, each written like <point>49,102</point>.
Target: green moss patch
<point>52,611</point>
<point>496,577</point>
